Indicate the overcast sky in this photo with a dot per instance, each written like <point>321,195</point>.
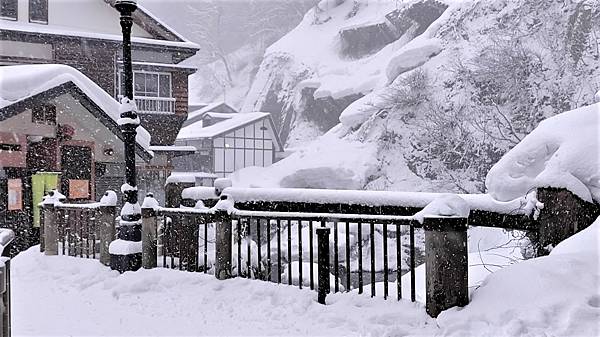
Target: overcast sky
<point>235,16</point>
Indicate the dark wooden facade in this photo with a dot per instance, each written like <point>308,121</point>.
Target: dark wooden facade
<point>100,61</point>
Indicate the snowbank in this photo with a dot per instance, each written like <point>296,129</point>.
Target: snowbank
<point>556,295</point>
<point>62,295</point>
<point>21,82</point>
<point>563,151</point>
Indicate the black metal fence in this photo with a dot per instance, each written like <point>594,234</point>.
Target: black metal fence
<point>7,237</point>
<point>281,247</point>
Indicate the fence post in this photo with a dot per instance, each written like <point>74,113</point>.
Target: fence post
<point>223,236</point>
<point>173,193</point>
<point>149,232</point>
<point>563,215</point>
<point>446,269</point>
<point>5,325</point>
<point>323,263</point>
<point>49,231</point>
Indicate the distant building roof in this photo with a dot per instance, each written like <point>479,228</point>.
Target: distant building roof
<point>220,107</point>
<point>196,131</point>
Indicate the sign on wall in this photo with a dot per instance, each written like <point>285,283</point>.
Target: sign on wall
<point>79,189</point>
<point>15,195</point>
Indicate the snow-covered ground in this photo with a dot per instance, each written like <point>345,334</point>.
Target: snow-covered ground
<point>557,295</point>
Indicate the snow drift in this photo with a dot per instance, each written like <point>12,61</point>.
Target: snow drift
<point>563,151</point>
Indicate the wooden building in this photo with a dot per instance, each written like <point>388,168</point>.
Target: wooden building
<point>86,35</point>
<point>58,130</point>
<point>227,140</point>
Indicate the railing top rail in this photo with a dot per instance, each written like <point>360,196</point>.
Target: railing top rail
<point>92,205</point>
<point>483,202</point>
<point>327,216</point>
<point>151,98</point>
<point>189,211</point>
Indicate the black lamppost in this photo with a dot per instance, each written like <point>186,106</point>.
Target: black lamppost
<point>126,251</point>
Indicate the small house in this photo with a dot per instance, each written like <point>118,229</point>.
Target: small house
<point>58,130</point>
<point>227,140</point>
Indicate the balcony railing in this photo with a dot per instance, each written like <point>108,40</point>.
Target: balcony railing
<point>155,105</point>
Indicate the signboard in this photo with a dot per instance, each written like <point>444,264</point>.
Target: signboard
<point>79,189</point>
<point>15,195</point>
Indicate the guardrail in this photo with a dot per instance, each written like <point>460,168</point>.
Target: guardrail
<point>6,238</point>
<point>79,230</point>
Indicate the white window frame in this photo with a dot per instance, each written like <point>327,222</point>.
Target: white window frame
<point>158,73</point>
<point>16,17</point>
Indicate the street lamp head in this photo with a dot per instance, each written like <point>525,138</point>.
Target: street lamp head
<point>126,6</point>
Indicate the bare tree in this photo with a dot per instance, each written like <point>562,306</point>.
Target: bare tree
<point>208,28</point>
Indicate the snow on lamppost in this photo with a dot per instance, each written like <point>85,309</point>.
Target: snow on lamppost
<point>126,251</point>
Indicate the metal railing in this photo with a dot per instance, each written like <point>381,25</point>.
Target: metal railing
<point>155,105</point>
<point>6,238</point>
<point>281,247</point>
<point>79,230</point>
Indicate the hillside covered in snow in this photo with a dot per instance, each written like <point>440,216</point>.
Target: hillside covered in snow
<point>420,95</point>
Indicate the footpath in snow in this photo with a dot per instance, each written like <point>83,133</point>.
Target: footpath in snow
<point>557,295</point>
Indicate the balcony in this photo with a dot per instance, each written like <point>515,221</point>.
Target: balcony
<point>155,105</point>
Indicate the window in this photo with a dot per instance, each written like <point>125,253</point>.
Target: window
<point>38,11</point>
<point>148,84</point>
<point>44,114</point>
<point>9,9</point>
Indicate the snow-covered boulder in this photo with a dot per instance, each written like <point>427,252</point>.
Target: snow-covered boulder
<point>563,151</point>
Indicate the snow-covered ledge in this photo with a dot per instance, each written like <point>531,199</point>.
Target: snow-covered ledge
<point>559,162</point>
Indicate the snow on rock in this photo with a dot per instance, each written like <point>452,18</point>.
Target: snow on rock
<point>109,198</point>
<point>597,97</point>
<point>555,295</point>
<point>563,151</point>
<point>306,275</point>
<point>450,205</point>
<point>414,54</point>
<point>124,247</point>
<point>21,82</point>
<point>330,163</point>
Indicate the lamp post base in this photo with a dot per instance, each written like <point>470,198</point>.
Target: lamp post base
<point>123,263</point>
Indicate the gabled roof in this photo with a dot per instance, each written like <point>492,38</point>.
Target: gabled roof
<point>50,29</point>
<point>197,115</point>
<point>152,24</point>
<point>23,84</point>
<point>233,122</point>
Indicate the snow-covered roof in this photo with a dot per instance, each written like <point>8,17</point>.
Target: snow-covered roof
<point>172,148</point>
<point>196,131</point>
<point>24,81</point>
<point>69,31</point>
<point>563,152</point>
<point>220,107</point>
<point>189,177</point>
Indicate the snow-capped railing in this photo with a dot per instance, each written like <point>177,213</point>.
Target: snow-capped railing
<point>155,105</point>
<point>79,230</point>
<point>6,238</point>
